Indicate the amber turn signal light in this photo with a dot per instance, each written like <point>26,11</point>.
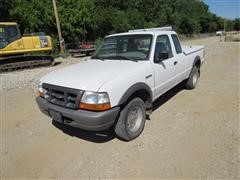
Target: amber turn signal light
<point>95,107</point>
<point>40,93</point>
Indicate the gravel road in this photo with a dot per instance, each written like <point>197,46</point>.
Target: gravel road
<point>190,134</point>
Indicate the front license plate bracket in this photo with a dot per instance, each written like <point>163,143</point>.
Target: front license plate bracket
<point>55,115</point>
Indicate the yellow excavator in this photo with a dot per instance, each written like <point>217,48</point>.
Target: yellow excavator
<point>27,51</point>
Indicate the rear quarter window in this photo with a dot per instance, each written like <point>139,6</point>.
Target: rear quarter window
<point>176,44</point>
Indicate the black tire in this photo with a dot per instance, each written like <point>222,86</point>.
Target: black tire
<point>191,82</point>
<point>123,127</point>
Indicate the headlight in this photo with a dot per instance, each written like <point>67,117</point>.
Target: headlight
<point>95,101</point>
<point>42,92</point>
<point>40,89</point>
<point>95,98</point>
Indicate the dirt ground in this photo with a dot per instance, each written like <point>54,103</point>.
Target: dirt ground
<point>190,134</point>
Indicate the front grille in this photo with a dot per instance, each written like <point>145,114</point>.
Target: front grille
<point>62,96</point>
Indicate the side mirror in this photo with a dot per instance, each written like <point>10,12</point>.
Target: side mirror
<point>161,56</point>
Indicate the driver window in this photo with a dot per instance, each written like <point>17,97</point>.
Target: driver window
<point>163,45</point>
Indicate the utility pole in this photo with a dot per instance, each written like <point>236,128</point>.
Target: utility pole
<point>224,29</point>
<point>61,40</point>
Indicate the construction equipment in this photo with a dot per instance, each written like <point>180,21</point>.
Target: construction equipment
<point>80,50</point>
<point>27,51</point>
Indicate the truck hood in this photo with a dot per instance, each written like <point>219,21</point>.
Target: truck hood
<point>89,75</point>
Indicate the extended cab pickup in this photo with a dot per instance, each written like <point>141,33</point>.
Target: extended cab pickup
<point>118,85</point>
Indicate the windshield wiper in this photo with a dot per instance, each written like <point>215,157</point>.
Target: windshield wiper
<point>97,57</point>
<point>120,57</point>
<point>117,57</point>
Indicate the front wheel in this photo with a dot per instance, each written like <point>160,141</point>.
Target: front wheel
<point>191,82</point>
<point>131,121</point>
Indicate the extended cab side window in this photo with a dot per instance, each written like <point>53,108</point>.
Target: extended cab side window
<point>176,43</point>
<point>163,45</point>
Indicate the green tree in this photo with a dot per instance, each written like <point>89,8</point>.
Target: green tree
<point>92,19</point>
<point>229,25</point>
<point>34,16</point>
<point>5,5</point>
<point>237,24</point>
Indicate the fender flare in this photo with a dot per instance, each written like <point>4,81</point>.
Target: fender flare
<point>197,58</point>
<point>134,88</point>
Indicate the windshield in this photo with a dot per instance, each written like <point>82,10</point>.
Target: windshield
<point>127,47</point>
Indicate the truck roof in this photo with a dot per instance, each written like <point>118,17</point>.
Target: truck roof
<point>151,31</point>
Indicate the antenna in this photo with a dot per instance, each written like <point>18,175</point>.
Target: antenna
<point>166,28</point>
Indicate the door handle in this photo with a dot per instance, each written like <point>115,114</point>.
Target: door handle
<point>148,76</point>
<point>175,62</point>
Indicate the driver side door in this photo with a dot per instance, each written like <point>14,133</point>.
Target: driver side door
<point>164,69</point>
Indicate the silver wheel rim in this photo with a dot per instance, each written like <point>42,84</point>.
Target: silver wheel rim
<point>134,118</point>
<point>194,79</point>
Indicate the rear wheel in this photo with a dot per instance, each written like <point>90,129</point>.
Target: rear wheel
<point>131,121</point>
<point>193,78</point>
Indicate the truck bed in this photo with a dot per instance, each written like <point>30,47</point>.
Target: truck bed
<point>191,49</point>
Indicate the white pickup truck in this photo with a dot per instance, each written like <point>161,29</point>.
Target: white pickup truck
<point>118,85</point>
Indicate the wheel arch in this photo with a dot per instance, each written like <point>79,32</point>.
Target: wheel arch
<point>140,90</point>
<point>197,63</point>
